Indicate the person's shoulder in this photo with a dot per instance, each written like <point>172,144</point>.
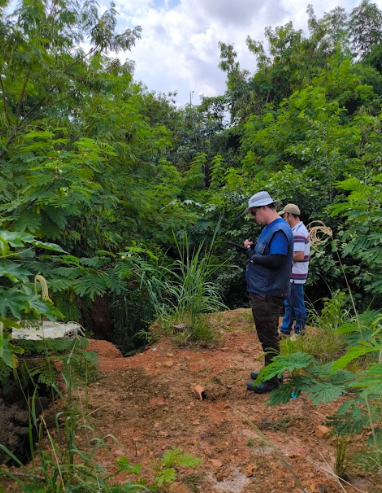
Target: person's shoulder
<point>284,228</point>
<point>280,222</point>
<point>304,229</point>
<point>275,225</point>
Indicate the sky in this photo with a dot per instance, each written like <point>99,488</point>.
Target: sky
<point>179,49</point>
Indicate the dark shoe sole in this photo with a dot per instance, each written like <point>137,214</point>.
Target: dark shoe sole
<point>262,388</point>
<point>255,374</point>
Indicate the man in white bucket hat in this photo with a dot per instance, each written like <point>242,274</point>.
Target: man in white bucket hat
<point>268,277</point>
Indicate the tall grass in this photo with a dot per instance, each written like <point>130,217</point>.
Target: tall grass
<point>183,294</point>
<point>323,339</point>
<point>341,456</point>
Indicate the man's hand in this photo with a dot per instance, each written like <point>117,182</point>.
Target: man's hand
<point>238,247</point>
<point>298,256</point>
<point>248,243</point>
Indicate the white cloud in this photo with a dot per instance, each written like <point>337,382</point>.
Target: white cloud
<point>179,45</point>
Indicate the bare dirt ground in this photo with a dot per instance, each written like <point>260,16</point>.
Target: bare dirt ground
<point>149,404</point>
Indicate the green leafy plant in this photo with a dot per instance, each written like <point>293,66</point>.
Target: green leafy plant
<point>326,382</point>
<point>19,299</point>
<point>166,471</point>
<point>188,294</point>
<point>362,237</point>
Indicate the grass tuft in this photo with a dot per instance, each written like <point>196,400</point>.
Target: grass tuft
<point>187,294</point>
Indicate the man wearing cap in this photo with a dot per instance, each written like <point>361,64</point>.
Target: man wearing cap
<point>294,303</point>
<point>268,277</point>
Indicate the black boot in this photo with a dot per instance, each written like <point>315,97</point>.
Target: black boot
<point>263,387</point>
<point>255,374</point>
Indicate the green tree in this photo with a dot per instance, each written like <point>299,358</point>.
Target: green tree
<point>365,27</point>
<point>44,71</point>
<point>80,143</point>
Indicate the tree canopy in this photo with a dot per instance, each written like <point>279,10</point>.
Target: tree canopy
<point>92,160</point>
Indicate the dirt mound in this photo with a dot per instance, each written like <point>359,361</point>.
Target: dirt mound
<point>105,350</point>
<point>148,402</point>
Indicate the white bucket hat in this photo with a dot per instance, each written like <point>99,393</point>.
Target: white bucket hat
<point>259,199</point>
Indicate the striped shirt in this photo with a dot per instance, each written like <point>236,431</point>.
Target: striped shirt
<point>300,244</point>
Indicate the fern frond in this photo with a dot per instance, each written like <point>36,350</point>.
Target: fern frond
<point>188,460</point>
<point>350,418</point>
<point>59,284</point>
<point>92,285</point>
<point>118,286</point>
<point>325,392</point>
<point>57,216</point>
<point>171,457</point>
<point>166,476</point>
<point>123,270</point>
<point>68,272</point>
<point>28,220</point>
<point>283,394</point>
<point>94,262</point>
<point>351,184</point>
<point>370,380</point>
<point>125,466</point>
<point>371,241</point>
<point>287,362</point>
<point>176,457</point>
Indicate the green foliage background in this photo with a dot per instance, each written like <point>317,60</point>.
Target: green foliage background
<point>123,201</point>
<point>117,175</point>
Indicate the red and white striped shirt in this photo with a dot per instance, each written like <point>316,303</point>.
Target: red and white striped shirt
<point>301,243</point>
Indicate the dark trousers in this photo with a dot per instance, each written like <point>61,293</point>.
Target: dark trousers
<point>266,312</point>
